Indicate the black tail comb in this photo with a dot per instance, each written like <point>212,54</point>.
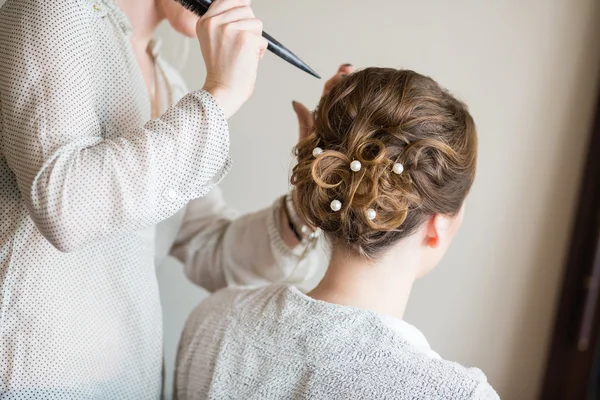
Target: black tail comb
<point>199,7</point>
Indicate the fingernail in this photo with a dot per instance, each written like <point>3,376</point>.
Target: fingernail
<point>347,65</point>
<point>293,103</point>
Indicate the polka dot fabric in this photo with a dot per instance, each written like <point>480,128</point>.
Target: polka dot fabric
<point>80,170</point>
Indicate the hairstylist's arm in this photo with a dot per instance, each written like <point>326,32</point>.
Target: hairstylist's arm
<point>54,135</point>
<point>232,44</point>
<point>220,248</point>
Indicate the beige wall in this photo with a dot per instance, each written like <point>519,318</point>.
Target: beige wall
<point>528,70</point>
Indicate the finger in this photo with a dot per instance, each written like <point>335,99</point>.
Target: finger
<point>343,72</point>
<point>261,44</point>
<point>233,15</point>
<point>251,26</point>
<point>261,53</point>
<point>305,119</point>
<point>333,81</point>
<point>249,37</point>
<point>220,6</point>
<point>346,69</point>
<point>264,44</point>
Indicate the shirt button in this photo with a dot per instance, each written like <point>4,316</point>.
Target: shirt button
<point>172,194</point>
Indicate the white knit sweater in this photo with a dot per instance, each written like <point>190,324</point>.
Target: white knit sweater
<point>277,343</point>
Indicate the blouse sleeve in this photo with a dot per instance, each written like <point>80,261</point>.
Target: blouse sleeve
<point>219,248</point>
<point>79,187</point>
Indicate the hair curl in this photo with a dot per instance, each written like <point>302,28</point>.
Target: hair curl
<point>380,116</point>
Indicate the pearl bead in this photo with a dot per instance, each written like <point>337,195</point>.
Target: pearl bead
<point>355,165</point>
<point>317,151</point>
<point>371,214</point>
<point>336,205</point>
<point>398,168</point>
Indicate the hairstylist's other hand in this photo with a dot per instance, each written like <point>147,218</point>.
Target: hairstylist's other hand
<point>232,44</point>
<point>305,118</point>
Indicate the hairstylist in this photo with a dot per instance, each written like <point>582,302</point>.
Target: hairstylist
<point>84,178</point>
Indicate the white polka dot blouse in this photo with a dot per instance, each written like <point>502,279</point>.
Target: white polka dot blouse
<point>83,175</point>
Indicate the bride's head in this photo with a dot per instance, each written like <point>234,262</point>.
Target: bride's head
<point>388,165</point>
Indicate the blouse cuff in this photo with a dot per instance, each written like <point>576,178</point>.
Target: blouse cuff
<point>275,234</point>
<point>206,96</point>
<point>216,139</point>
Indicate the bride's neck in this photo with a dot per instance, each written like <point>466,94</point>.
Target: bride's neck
<point>382,286</point>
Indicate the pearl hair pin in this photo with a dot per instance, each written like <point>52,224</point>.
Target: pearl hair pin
<point>371,214</point>
<point>336,205</point>
<point>355,165</point>
<point>315,234</point>
<point>398,168</point>
<point>317,152</point>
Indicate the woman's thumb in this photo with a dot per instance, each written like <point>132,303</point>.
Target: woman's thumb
<point>305,119</point>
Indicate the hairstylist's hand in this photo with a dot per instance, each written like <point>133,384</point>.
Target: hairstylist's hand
<point>232,45</point>
<point>305,118</point>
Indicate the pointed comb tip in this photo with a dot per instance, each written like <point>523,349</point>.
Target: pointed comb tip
<point>310,71</point>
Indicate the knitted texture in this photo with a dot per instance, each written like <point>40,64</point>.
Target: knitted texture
<point>277,343</point>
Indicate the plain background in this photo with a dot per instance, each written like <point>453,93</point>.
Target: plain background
<point>528,71</point>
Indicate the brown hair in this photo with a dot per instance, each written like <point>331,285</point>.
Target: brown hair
<point>381,116</point>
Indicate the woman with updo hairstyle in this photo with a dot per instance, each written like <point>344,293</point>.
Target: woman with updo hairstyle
<point>383,175</point>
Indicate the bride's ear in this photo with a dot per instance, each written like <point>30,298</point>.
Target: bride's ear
<point>439,230</point>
